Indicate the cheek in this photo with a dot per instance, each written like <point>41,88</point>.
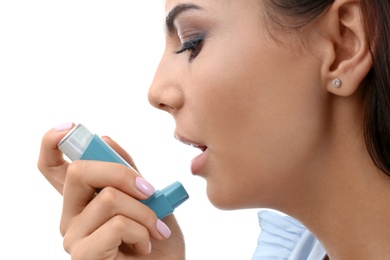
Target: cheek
<point>263,124</point>
<point>257,156</point>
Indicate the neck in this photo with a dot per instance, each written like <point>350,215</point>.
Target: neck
<point>347,207</point>
<point>345,199</point>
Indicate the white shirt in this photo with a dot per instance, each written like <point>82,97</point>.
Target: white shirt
<point>283,237</point>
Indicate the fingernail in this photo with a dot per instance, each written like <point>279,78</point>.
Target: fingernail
<point>144,186</point>
<point>64,126</point>
<point>150,247</point>
<point>163,229</point>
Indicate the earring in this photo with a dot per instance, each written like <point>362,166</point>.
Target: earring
<point>336,83</point>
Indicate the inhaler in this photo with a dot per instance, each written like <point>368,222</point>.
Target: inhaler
<point>81,144</point>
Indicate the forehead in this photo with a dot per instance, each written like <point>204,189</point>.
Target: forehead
<point>170,4</point>
<point>242,14</point>
<point>215,7</point>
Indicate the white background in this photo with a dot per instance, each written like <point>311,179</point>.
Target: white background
<point>92,62</point>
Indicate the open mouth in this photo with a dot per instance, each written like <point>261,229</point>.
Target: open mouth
<point>199,162</point>
<point>190,143</point>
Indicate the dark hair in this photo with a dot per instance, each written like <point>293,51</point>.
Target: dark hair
<point>294,14</point>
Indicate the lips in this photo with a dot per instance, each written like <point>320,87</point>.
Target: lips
<point>198,162</point>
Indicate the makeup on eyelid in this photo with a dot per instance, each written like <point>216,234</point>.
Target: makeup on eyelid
<point>191,44</point>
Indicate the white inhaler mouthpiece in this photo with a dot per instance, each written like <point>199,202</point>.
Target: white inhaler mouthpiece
<point>75,142</point>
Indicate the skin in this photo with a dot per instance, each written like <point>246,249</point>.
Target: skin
<point>257,116</point>
<point>278,134</point>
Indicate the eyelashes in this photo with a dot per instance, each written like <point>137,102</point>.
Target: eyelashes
<point>194,46</point>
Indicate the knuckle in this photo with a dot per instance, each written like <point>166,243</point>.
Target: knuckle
<point>107,198</point>
<point>74,172</point>
<point>41,166</point>
<point>118,223</point>
<point>63,228</point>
<point>129,228</point>
<point>67,244</point>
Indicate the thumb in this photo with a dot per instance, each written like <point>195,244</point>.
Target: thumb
<point>51,162</point>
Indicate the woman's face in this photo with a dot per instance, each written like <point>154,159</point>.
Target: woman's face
<point>251,103</point>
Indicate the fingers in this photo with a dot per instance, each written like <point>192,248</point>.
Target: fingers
<point>111,223</point>
<point>109,203</point>
<point>51,162</point>
<point>84,177</point>
<point>123,189</point>
<point>109,220</point>
<point>106,241</point>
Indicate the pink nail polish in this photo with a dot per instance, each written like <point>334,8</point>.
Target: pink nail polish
<point>144,186</point>
<point>163,229</point>
<point>64,126</point>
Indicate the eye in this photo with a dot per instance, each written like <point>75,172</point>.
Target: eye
<point>194,46</point>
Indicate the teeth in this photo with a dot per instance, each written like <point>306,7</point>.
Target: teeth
<point>194,145</point>
<point>190,144</point>
<point>203,148</point>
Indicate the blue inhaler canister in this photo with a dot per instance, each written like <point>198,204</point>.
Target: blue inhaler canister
<point>81,144</point>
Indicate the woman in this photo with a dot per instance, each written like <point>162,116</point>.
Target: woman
<point>288,103</point>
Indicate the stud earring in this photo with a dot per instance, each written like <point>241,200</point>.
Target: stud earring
<point>336,83</point>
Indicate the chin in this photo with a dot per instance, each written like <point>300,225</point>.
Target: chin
<point>226,196</point>
<point>223,200</point>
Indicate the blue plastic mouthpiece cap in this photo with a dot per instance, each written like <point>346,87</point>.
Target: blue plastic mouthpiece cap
<point>163,202</point>
<point>175,194</point>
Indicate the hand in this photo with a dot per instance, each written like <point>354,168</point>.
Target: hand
<point>112,224</point>
<point>52,164</point>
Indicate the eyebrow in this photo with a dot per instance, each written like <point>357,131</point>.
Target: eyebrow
<point>170,19</point>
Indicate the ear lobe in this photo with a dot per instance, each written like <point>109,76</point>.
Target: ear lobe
<point>351,60</point>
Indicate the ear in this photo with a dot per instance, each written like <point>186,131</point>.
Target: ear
<point>347,57</point>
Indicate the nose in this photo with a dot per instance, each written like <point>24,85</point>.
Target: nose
<point>165,92</point>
